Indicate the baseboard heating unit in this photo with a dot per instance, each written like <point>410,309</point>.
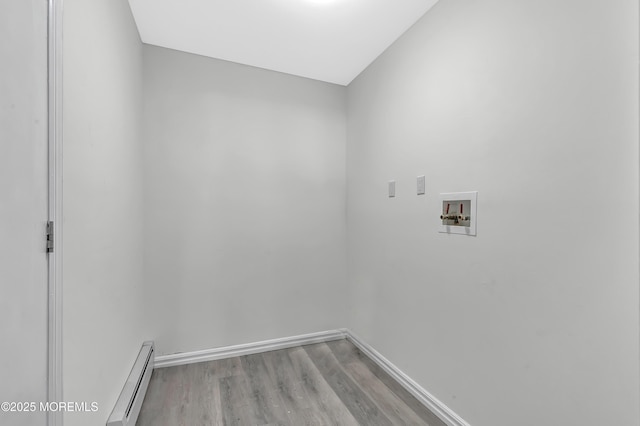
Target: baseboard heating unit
<point>127,408</point>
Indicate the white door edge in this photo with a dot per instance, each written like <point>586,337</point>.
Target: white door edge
<point>54,392</point>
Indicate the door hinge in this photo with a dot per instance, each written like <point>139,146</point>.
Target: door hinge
<point>50,237</point>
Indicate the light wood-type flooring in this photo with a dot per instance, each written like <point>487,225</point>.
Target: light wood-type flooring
<point>329,383</point>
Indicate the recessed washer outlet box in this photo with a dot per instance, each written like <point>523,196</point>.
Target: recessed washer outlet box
<point>459,213</point>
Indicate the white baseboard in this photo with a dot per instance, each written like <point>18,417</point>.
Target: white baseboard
<point>431,402</point>
<point>428,400</point>
<point>247,349</point>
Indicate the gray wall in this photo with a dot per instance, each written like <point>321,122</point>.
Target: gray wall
<point>240,179</point>
<point>103,325</point>
<point>534,105</point>
<point>245,202</point>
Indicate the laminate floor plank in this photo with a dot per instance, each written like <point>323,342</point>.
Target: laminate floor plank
<point>202,405</point>
<point>287,383</point>
<point>390,404</point>
<point>226,367</point>
<point>394,408</point>
<point>316,385</point>
<point>198,398</point>
<point>356,400</point>
<point>320,395</point>
<point>164,389</point>
<point>237,403</point>
<point>264,392</point>
<point>348,352</point>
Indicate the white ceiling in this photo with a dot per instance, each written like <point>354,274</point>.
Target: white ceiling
<point>327,40</point>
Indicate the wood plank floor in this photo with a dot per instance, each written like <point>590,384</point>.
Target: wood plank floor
<point>322,384</point>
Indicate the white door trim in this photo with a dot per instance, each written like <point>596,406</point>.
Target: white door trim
<point>54,391</point>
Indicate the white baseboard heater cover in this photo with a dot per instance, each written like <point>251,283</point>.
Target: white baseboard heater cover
<point>127,408</point>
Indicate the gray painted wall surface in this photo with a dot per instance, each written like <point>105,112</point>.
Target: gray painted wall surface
<point>23,207</point>
<point>245,202</point>
<point>534,105</point>
<point>242,187</point>
<point>103,317</point>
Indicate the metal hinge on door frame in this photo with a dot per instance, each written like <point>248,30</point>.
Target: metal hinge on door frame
<point>50,237</point>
